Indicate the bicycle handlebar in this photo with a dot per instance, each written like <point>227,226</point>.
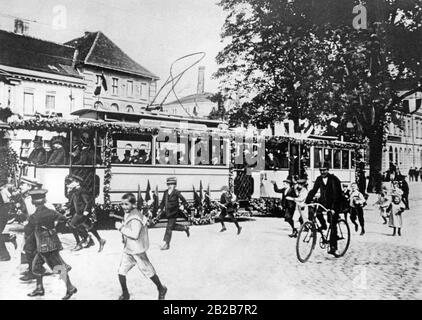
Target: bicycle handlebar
<point>315,204</point>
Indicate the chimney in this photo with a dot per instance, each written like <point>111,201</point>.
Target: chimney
<point>201,85</point>
<point>75,56</point>
<point>21,27</point>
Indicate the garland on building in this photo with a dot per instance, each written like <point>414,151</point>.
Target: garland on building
<point>12,163</point>
<point>317,143</point>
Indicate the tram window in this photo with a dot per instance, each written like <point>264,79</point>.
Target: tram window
<point>173,152</point>
<point>337,159</point>
<point>353,157</point>
<point>317,157</point>
<point>83,150</point>
<point>282,153</point>
<point>327,157</point>
<point>218,151</point>
<point>132,152</point>
<point>305,158</point>
<point>25,147</point>
<point>345,159</point>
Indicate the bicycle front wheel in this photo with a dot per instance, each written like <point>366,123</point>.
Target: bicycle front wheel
<point>306,240</point>
<point>343,237</point>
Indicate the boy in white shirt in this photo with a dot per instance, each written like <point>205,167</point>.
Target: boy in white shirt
<point>136,243</point>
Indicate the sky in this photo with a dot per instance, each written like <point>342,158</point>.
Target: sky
<point>152,32</point>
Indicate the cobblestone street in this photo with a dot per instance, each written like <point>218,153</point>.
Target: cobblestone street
<point>261,263</point>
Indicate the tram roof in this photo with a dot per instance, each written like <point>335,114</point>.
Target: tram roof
<point>131,117</point>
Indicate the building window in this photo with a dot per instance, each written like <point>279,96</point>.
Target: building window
<point>28,103</point>
<point>144,91</point>
<point>129,109</point>
<point>114,107</point>
<point>129,88</point>
<point>98,105</point>
<point>115,86</point>
<point>50,103</point>
<point>25,148</point>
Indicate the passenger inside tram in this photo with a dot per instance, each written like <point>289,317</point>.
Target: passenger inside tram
<point>58,154</point>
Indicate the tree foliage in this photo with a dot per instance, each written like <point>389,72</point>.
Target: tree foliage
<point>303,59</point>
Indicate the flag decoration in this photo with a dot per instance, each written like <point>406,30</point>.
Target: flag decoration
<point>140,200</point>
<point>156,203</point>
<point>148,192</point>
<point>201,194</point>
<point>196,198</point>
<point>102,84</point>
<point>207,200</point>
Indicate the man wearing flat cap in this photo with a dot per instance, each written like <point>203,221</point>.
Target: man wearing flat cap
<point>43,224</point>
<point>331,197</point>
<point>38,156</point>
<point>170,206</point>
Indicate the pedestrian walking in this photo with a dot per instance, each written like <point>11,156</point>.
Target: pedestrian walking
<point>411,174</point>
<point>43,224</point>
<point>289,206</point>
<point>228,209</point>
<point>404,186</point>
<point>395,210</point>
<point>420,174</point>
<point>134,231</point>
<point>416,173</point>
<point>172,199</point>
<point>357,202</point>
<point>80,205</point>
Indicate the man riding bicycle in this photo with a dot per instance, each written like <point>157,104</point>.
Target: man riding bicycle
<point>329,187</point>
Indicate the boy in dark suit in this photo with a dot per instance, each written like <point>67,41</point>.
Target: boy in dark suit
<point>170,206</point>
<point>227,208</point>
<point>289,206</point>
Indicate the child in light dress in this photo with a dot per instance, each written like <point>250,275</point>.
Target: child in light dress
<point>395,210</point>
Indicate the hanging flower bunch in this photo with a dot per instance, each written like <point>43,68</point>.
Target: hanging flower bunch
<point>12,162</point>
<point>315,142</point>
<point>107,171</point>
<point>60,125</point>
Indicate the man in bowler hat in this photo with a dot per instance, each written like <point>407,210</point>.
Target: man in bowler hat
<point>38,156</point>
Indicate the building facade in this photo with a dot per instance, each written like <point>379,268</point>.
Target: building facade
<point>129,87</point>
<point>404,145</point>
<point>194,105</point>
<point>38,76</point>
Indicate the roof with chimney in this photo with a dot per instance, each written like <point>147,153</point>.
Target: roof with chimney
<point>96,49</point>
<point>193,98</point>
<point>24,52</point>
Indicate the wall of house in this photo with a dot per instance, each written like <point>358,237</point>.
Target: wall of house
<point>66,98</point>
<point>143,90</point>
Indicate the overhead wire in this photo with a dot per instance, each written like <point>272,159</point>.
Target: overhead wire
<point>174,79</point>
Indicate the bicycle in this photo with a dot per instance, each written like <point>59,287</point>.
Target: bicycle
<point>307,236</point>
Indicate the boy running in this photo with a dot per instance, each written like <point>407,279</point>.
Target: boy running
<point>136,243</point>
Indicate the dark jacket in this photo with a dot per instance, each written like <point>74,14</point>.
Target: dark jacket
<point>57,157</point>
<point>170,203</point>
<point>405,187</point>
<point>38,156</point>
<point>227,200</point>
<point>331,195</point>
<point>42,224</point>
<point>79,202</point>
<point>287,205</point>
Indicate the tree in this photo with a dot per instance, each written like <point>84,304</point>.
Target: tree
<point>303,59</point>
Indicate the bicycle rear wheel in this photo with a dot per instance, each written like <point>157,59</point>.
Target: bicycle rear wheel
<point>306,240</point>
<point>343,237</point>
